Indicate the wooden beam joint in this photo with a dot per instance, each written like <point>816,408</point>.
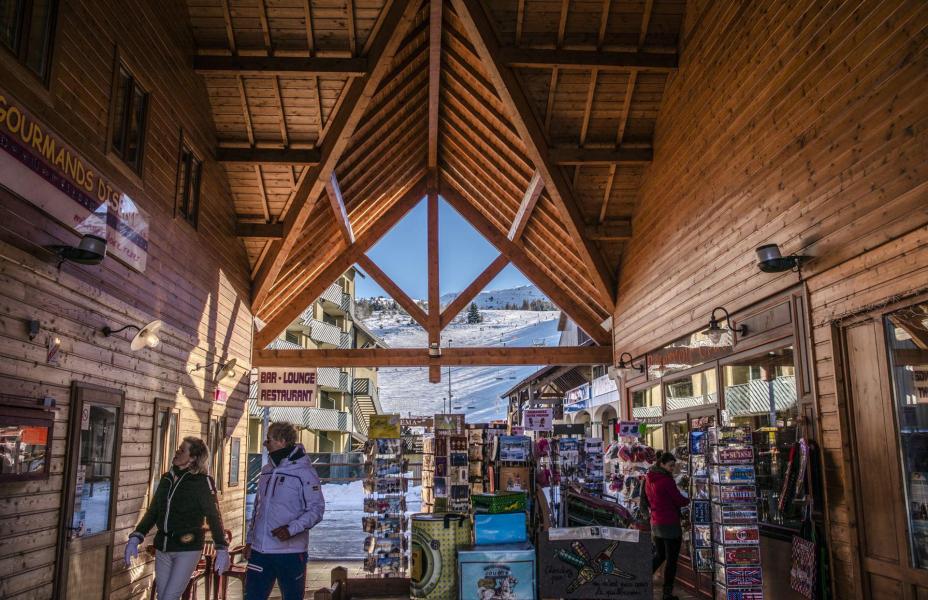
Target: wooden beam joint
<point>419,357</point>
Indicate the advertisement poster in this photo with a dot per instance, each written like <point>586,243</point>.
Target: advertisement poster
<point>605,563</point>
<point>384,426</point>
<point>537,419</point>
<point>449,423</point>
<point>628,428</point>
<point>287,386</point>
<point>37,165</point>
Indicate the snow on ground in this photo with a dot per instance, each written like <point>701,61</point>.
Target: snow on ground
<point>475,390</point>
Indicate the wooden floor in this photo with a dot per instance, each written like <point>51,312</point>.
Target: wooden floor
<point>319,575</point>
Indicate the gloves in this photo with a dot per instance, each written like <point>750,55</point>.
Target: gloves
<point>222,561</point>
<point>132,550</point>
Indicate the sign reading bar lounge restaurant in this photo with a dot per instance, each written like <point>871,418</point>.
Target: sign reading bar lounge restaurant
<point>37,165</point>
<point>287,387</point>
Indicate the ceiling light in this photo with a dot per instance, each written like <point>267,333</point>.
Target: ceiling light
<point>90,251</point>
<point>769,259</point>
<point>715,329</point>
<point>146,337</point>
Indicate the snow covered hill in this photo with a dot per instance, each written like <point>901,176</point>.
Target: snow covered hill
<point>475,390</point>
<point>502,298</point>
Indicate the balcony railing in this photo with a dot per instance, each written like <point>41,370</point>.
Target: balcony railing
<point>362,387</point>
<point>326,333</point>
<point>325,419</point>
<point>333,379</point>
<point>335,295</point>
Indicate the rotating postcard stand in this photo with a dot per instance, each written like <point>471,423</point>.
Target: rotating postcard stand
<point>385,520</point>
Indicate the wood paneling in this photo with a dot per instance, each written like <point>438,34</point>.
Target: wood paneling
<point>801,124</point>
<point>196,280</point>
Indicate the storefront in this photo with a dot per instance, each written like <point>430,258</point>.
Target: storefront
<point>758,378</point>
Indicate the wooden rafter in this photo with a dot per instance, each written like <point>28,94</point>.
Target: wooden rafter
<point>265,206</point>
<point>268,156</point>
<point>587,59</point>
<point>356,98</point>
<point>265,27</point>
<point>340,263</point>
<point>613,230</point>
<point>476,286</point>
<point>562,23</point>
<point>249,130</point>
<point>588,106</point>
<point>230,30</point>
<point>395,291</point>
<point>523,261</point>
<point>419,357</point>
<point>645,21</point>
<point>478,26</point>
<point>434,79</point>
<point>573,155</point>
<point>607,193</point>
<point>626,107</point>
<point>434,326</point>
<point>208,64</point>
<point>259,230</point>
<point>334,192</point>
<point>520,18</point>
<point>284,134</point>
<point>603,23</point>
<point>352,30</point>
<point>529,200</point>
<point>549,107</point>
<point>310,37</point>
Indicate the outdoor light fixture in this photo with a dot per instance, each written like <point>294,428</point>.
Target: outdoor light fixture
<point>715,330</point>
<point>627,369</point>
<point>90,251</point>
<point>434,350</point>
<point>146,337</point>
<point>769,259</point>
<point>226,369</point>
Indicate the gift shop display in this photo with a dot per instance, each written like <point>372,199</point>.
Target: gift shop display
<point>445,467</point>
<point>591,466</point>
<point>501,572</point>
<point>433,561</point>
<point>385,521</point>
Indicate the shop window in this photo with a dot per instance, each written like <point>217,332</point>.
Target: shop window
<point>26,31</point>
<point>907,336</point>
<point>130,106</point>
<point>164,442</point>
<point>235,453</point>
<point>217,431</point>
<point>698,389</point>
<point>646,408</point>
<point>25,442</point>
<point>760,393</point>
<point>187,194</point>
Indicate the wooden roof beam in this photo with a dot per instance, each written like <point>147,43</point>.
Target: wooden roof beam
<point>529,200</point>
<point>573,155</point>
<point>587,59</point>
<point>419,357</point>
<point>434,325</point>
<point>613,230</point>
<point>268,156</point>
<point>581,315</point>
<point>434,79</point>
<point>395,291</point>
<point>479,28</point>
<point>476,286</point>
<point>264,66</point>
<point>334,192</point>
<point>340,263</point>
<point>339,128</point>
<point>259,230</point>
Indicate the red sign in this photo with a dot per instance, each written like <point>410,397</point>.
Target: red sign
<point>220,397</point>
<point>33,435</point>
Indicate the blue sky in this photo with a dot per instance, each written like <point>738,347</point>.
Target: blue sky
<point>463,253</point>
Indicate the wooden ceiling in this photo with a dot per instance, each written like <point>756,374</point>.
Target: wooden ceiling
<point>533,118</point>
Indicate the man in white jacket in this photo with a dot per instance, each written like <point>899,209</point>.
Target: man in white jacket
<point>289,503</point>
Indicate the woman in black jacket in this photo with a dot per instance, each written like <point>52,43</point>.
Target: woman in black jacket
<point>185,497</point>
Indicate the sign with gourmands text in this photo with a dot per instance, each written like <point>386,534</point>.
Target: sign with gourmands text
<point>286,386</point>
<point>38,166</point>
<point>537,419</point>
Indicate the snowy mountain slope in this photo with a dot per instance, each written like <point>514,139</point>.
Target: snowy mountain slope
<point>501,298</point>
<point>475,390</point>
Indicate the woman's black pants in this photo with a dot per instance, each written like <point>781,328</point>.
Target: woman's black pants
<point>667,549</point>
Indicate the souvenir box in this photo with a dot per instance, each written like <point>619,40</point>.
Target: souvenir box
<point>499,502</point>
<point>725,593</point>
<point>734,514</point>
<point>504,572</point>
<point>737,555</point>
<point>738,474</point>
<point>739,576</point>
<point>737,535</point>
<point>594,563</point>
<point>433,566</point>
<point>499,528</point>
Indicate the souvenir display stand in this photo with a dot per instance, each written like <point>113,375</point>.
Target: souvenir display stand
<point>632,460</point>
<point>592,475</point>
<point>445,472</point>
<point>385,508</point>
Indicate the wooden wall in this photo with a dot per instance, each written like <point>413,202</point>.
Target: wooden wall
<point>196,281</point>
<point>798,123</point>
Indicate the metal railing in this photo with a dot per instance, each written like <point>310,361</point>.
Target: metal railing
<point>325,419</point>
<point>326,333</point>
<point>337,296</point>
<point>331,378</point>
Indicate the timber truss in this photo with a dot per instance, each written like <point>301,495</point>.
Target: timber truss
<point>534,124</point>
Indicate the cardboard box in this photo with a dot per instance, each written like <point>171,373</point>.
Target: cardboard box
<point>497,572</point>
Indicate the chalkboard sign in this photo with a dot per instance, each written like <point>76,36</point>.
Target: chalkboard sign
<point>594,562</point>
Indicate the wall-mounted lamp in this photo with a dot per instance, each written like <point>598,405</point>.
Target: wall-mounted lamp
<point>226,369</point>
<point>769,259</point>
<point>434,350</point>
<point>146,337</point>
<point>627,369</point>
<point>715,330</point>
<point>90,251</point>
<point>33,327</point>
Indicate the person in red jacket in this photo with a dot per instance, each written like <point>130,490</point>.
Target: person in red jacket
<point>665,502</point>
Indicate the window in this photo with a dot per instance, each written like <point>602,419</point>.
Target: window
<point>235,452</point>
<point>25,440</point>
<point>646,408</point>
<point>130,105</point>
<point>217,434</point>
<point>26,31</point>
<point>907,335</point>
<point>187,195</point>
<point>698,389</point>
<point>164,442</point>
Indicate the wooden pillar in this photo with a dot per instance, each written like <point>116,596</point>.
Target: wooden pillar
<point>434,329</point>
